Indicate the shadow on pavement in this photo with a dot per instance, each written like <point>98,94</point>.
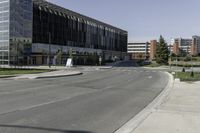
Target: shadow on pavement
<point>39,129</point>
<point>130,63</point>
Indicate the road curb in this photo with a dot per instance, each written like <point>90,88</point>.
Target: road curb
<point>67,75</point>
<point>132,124</point>
<point>154,68</point>
<point>8,76</point>
<point>106,67</point>
<point>49,76</point>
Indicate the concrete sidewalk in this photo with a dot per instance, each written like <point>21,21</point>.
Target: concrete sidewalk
<point>178,113</point>
<point>54,74</point>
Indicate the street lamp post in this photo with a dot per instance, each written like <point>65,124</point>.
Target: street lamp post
<point>49,37</point>
<point>176,66</point>
<point>170,62</point>
<point>49,51</point>
<point>192,74</point>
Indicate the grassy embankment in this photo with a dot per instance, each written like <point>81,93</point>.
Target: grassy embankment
<point>9,71</point>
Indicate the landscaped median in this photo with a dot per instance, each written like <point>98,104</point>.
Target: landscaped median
<point>11,72</point>
<point>188,76</point>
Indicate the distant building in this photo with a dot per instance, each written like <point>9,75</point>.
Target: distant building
<point>195,46</point>
<point>142,51</point>
<point>187,46</point>
<point>184,45</point>
<point>176,49</point>
<point>139,50</point>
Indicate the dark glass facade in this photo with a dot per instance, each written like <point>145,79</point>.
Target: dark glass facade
<point>56,25</point>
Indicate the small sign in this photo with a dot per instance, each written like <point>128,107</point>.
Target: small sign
<point>69,62</point>
<point>100,59</point>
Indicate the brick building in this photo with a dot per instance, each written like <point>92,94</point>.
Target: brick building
<point>142,51</point>
<point>153,46</point>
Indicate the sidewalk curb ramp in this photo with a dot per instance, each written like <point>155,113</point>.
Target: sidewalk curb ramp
<point>132,124</point>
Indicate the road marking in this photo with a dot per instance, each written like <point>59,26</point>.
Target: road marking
<point>42,104</point>
<point>108,87</point>
<point>26,90</point>
<point>35,106</point>
<point>150,77</point>
<point>39,105</point>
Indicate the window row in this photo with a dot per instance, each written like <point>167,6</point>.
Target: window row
<point>6,8</point>
<point>3,53</point>
<point>3,4</point>
<point>4,47</point>
<point>4,28</point>
<point>4,18</point>
<point>137,47</point>
<point>4,43</point>
<point>4,14</point>
<point>4,36</point>
<point>3,62</point>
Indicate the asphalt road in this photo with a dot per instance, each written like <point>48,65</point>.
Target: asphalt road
<point>99,101</point>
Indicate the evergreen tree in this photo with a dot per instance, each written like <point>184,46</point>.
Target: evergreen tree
<point>162,52</point>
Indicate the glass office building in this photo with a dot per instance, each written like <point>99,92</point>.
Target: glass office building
<point>15,31</point>
<point>4,31</point>
<point>33,31</point>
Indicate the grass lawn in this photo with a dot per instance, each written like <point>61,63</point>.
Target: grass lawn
<point>7,71</point>
<point>186,76</point>
<point>197,58</point>
<point>187,64</point>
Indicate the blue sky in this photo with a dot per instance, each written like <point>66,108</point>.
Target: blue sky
<point>143,19</point>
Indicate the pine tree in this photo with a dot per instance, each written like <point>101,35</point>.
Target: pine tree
<point>162,52</point>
